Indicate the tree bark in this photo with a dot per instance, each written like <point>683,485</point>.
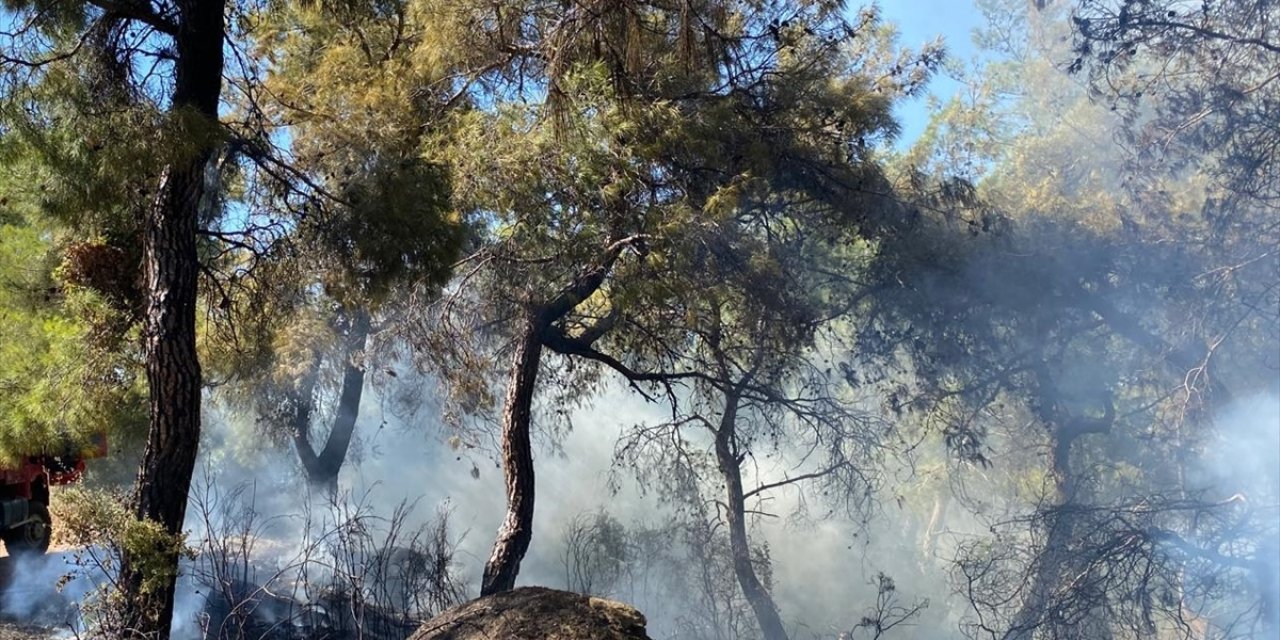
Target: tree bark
<point>171,267</point>
<point>535,332</point>
<point>730,464</point>
<point>1048,567</point>
<point>1062,519</point>
<point>322,469</point>
<point>517,462</point>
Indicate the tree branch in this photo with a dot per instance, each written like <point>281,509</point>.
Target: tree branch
<point>140,11</point>
<point>789,481</point>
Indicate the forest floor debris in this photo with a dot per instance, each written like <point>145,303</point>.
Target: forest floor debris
<point>530,613</point>
<point>25,632</point>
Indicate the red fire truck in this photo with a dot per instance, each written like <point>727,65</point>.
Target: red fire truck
<point>25,526</point>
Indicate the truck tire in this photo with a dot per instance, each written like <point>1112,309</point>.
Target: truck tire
<point>33,537</point>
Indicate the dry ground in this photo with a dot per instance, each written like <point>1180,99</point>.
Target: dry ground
<point>19,632</point>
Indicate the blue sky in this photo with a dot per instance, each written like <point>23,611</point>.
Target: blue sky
<point>920,21</point>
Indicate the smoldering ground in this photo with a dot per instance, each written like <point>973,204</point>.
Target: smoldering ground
<point>823,568</point>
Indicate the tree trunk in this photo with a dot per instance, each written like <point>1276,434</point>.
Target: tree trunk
<point>171,268</point>
<point>322,469</point>
<point>1062,519</point>
<point>934,529</point>
<point>517,451</point>
<point>303,400</point>
<point>517,462</point>
<point>1044,582</point>
<point>729,463</point>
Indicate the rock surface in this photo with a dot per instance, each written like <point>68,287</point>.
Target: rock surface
<point>536,613</point>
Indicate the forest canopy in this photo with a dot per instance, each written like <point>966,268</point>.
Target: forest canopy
<point>661,292</point>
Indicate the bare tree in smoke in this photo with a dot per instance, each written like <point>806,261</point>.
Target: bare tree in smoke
<point>1052,344</point>
<point>679,571</point>
<point>596,553</point>
<point>761,411</point>
<point>887,614</point>
<point>1170,586</point>
<point>747,338</point>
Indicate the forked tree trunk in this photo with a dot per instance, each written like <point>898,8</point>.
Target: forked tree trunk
<point>730,465</point>
<point>534,333</point>
<point>171,268</point>
<point>322,469</point>
<point>517,462</point>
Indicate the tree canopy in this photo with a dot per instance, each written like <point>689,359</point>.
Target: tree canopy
<point>1033,327</point>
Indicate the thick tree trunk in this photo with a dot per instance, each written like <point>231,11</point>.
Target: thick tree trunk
<point>730,465</point>
<point>1061,522</point>
<point>517,462</point>
<point>302,439</point>
<point>303,400</point>
<point>322,469</point>
<point>171,268</point>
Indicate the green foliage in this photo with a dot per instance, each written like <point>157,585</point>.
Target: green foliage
<point>693,190</point>
<point>721,173</point>
<point>83,161</point>
<point>1035,141</point>
<point>66,367</point>
<point>99,518</point>
<point>374,215</point>
<point>75,172</point>
<point>100,524</point>
<point>151,550</point>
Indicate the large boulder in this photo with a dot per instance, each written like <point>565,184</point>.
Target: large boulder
<point>536,613</point>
